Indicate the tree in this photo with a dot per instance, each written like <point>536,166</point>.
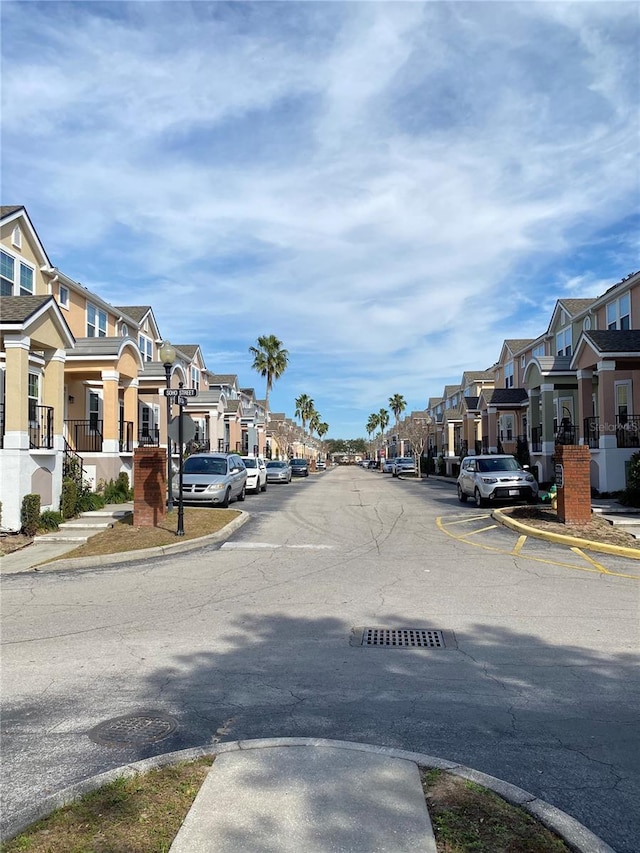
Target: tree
<point>304,409</point>
<point>270,359</point>
<point>322,429</point>
<point>372,425</point>
<point>383,421</point>
<point>416,429</point>
<point>397,404</point>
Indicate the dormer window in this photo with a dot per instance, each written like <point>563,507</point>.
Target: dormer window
<point>145,345</point>
<point>96,322</point>
<point>63,296</point>
<point>195,378</point>
<point>508,375</point>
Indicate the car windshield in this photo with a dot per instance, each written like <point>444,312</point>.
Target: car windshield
<point>204,465</point>
<point>276,465</point>
<point>488,465</point>
<point>250,463</point>
<point>298,461</point>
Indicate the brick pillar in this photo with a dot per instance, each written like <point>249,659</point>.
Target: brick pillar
<point>574,497</point>
<point>149,486</point>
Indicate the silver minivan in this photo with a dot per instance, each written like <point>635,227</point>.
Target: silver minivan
<point>212,478</point>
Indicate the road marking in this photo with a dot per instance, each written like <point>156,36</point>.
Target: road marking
<point>468,518</point>
<point>479,530</point>
<point>518,546</point>
<point>594,567</point>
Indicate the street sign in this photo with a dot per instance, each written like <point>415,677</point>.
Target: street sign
<point>180,392</point>
<point>559,472</point>
<point>188,429</point>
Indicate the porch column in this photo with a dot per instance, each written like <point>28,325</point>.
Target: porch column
<point>130,398</point>
<point>607,404</point>
<point>16,394</point>
<point>53,392</point>
<point>469,433</point>
<point>585,401</point>
<point>492,429</point>
<point>450,439</point>
<point>534,409</point>
<point>548,413</point>
<point>110,411</point>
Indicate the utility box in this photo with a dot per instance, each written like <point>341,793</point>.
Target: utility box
<point>573,483</point>
<point>149,486</point>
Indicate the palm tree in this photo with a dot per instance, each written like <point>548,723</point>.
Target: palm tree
<point>314,422</point>
<point>383,420</point>
<point>397,404</point>
<point>372,424</point>
<point>270,359</point>
<point>304,409</point>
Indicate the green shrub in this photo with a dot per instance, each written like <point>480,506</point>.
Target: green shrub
<point>30,514</point>
<point>68,498</point>
<point>50,520</point>
<point>88,501</point>
<point>116,491</point>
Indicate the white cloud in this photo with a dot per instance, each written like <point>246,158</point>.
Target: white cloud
<point>390,188</point>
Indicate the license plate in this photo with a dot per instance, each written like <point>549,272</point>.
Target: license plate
<point>514,492</point>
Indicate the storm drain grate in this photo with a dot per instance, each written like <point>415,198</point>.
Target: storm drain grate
<point>134,730</point>
<point>421,638</point>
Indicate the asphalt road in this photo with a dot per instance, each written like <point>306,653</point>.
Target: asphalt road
<point>538,684</point>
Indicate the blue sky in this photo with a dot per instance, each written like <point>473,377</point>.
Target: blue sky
<point>390,188</point>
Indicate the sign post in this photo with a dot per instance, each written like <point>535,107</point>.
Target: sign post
<point>181,395</point>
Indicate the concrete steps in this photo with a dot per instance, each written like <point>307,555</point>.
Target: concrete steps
<point>78,530</point>
<point>625,518</point>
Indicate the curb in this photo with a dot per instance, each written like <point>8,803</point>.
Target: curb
<point>571,831</point>
<point>559,538</point>
<point>144,553</point>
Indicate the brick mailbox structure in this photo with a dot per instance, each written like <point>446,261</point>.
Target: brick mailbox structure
<point>149,486</point>
<point>573,483</point>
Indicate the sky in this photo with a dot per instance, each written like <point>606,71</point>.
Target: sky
<point>392,189</point>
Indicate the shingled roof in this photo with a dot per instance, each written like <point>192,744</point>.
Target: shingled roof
<point>512,396</point>
<point>17,309</point>
<point>576,306</point>
<point>615,340</point>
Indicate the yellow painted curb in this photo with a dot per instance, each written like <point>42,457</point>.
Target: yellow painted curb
<point>587,544</point>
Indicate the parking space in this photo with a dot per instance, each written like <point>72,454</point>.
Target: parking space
<point>478,529</point>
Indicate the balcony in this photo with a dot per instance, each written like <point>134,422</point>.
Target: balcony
<point>84,436</point>
<point>536,439</point>
<point>628,430</point>
<point>592,432</point>
<point>125,437</point>
<point>567,433</point>
<point>40,427</point>
<point>149,437</point>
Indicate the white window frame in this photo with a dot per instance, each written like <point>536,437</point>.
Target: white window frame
<point>63,297</point>
<point>509,374</point>
<point>33,398</point>
<point>561,338</point>
<point>195,377</point>
<point>16,237</point>
<point>97,326</point>
<point>15,282</point>
<point>620,311</point>
<point>145,345</point>
<point>539,351</point>
<point>619,385</point>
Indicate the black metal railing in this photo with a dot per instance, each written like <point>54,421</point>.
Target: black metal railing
<point>41,428</point>
<point>485,444</point>
<point>222,447</point>
<point>125,437</point>
<point>149,436</point>
<point>567,433</point>
<point>84,436</point>
<point>1,424</point>
<point>592,432</point>
<point>628,430</point>
<point>536,439</point>
<point>72,466</point>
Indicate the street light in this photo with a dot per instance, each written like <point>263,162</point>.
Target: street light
<point>167,355</point>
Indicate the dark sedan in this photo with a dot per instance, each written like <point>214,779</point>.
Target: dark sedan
<point>299,467</point>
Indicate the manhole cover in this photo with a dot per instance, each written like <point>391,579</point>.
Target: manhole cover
<point>404,638</point>
<point>134,729</point>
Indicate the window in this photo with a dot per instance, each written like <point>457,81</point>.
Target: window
<point>96,322</point>
<point>124,330</point>
<point>523,361</point>
<point>538,350</point>
<point>563,341</point>
<point>145,346</point>
<point>33,393</point>
<point>63,296</point>
<point>195,378</point>
<point>508,375</point>
<point>619,313</point>
<point>15,283</point>
<point>94,411</point>
<point>586,324</point>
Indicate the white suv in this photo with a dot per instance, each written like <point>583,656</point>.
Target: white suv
<point>256,473</point>
<point>403,465</point>
<point>495,478</point>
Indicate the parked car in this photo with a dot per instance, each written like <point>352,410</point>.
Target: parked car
<point>256,473</point>
<point>495,477</point>
<point>403,465</point>
<point>387,466</point>
<point>300,467</point>
<point>212,478</point>
<point>321,465</point>
<point>278,471</point>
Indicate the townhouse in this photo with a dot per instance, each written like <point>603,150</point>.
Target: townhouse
<point>577,383</point>
<point>84,380</point>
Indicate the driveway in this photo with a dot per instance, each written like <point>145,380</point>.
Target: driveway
<point>537,682</point>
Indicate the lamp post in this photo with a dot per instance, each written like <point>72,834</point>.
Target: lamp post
<point>167,355</point>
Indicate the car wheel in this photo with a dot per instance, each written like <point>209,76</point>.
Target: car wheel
<point>225,501</point>
<point>243,493</point>
<point>533,500</point>
<point>264,487</point>
<point>461,495</point>
<point>480,501</point>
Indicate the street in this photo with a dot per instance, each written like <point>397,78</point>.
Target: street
<point>538,683</point>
